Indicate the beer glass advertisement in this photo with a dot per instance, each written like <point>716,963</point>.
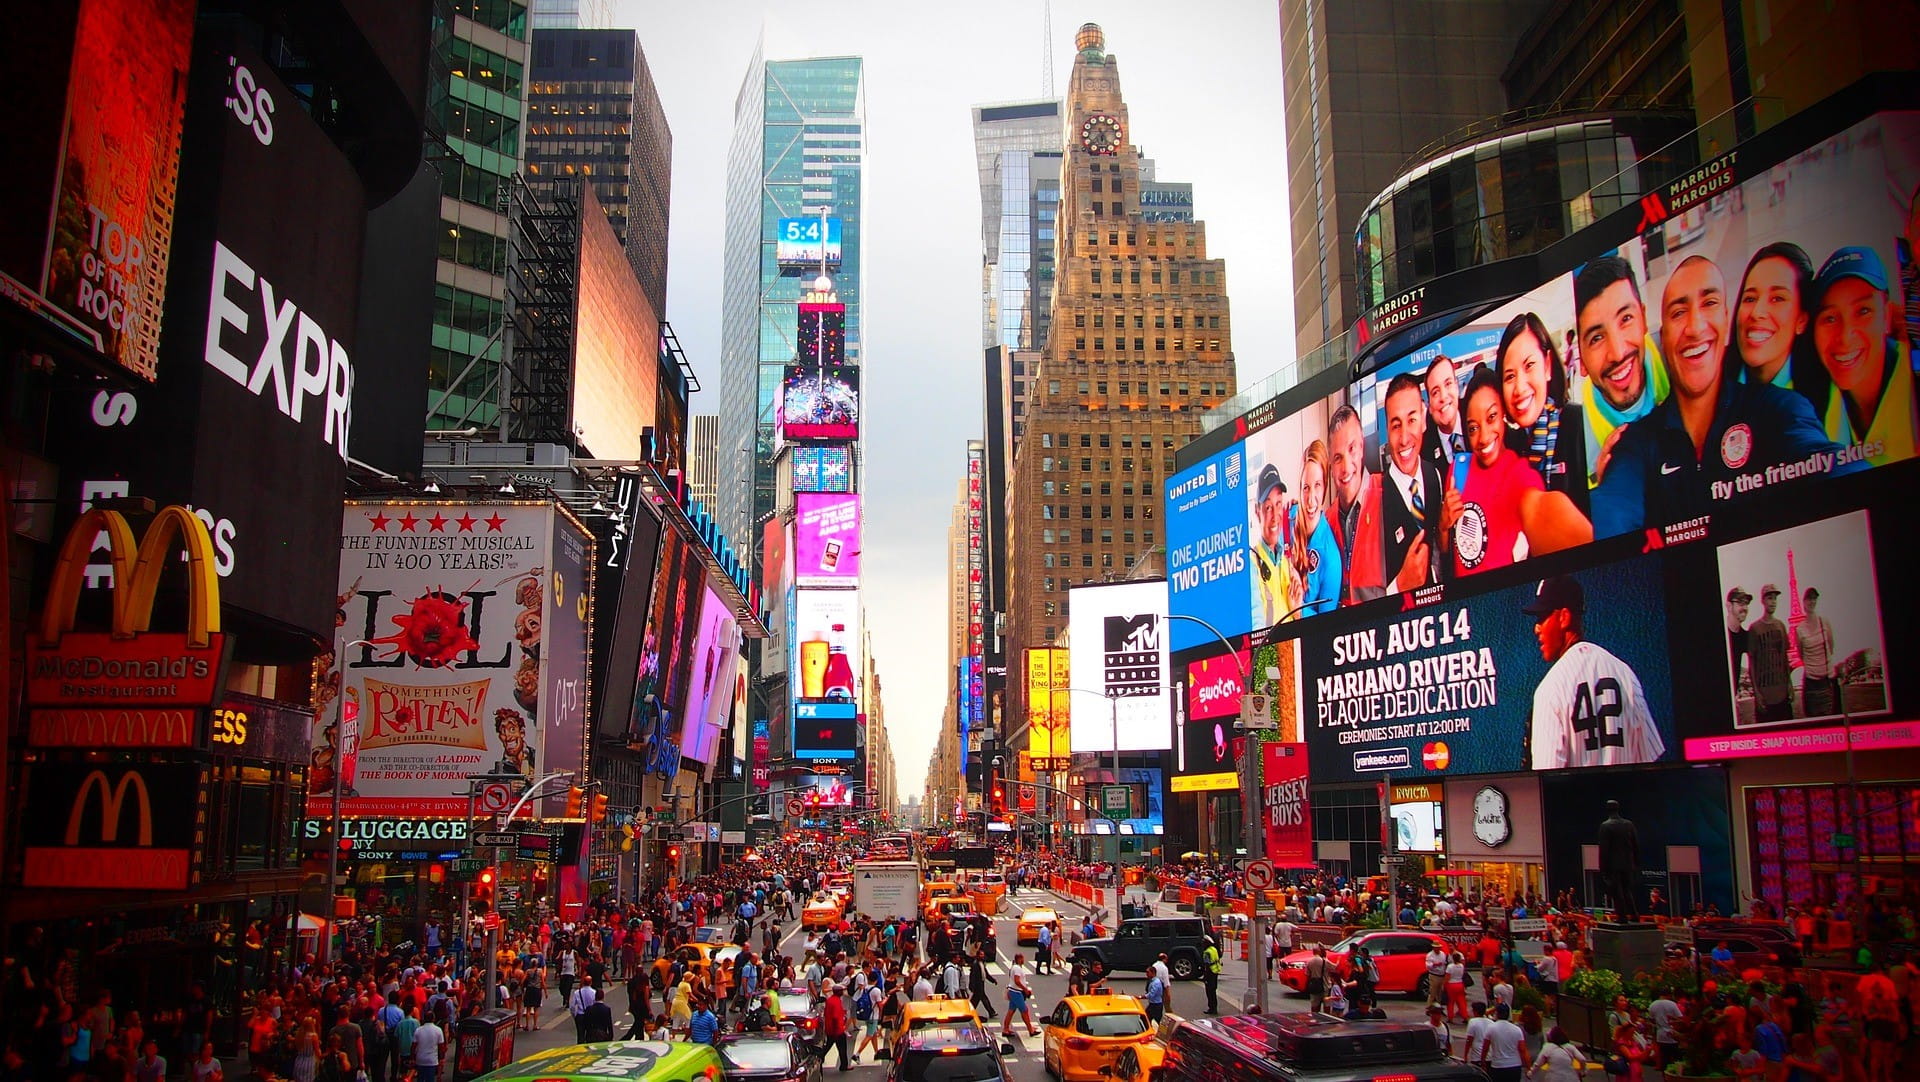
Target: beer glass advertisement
<point>442,661</point>
<point>826,635</point>
<point>1805,644</point>
<point>826,531</point>
<point>1567,672</point>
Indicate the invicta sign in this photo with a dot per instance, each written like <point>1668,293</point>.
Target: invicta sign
<point>128,686</point>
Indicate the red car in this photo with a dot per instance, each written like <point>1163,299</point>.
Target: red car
<point>1401,958</point>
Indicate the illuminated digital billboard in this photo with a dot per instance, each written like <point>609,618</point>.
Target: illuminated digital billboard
<point>1118,654</point>
<point>824,468</point>
<point>820,405</point>
<point>616,344</point>
<point>801,245</point>
<point>826,531</point>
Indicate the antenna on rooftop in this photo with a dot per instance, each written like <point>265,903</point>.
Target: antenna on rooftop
<point>1046,43</point>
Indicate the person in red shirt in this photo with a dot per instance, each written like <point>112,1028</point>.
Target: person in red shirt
<point>833,1026</point>
<point>1503,512</point>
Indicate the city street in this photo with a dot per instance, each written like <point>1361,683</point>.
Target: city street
<point>1024,1064</point>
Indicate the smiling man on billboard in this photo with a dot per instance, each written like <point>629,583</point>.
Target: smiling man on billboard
<point>1713,436</point>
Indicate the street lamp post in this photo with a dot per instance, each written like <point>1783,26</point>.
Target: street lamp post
<point>1250,825</point>
<point>339,783</point>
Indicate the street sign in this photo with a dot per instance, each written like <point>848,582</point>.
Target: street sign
<point>1261,875</point>
<point>1116,801</point>
<point>493,922</point>
<point>505,839</point>
<point>470,865</point>
<point>494,798</point>
<point>508,897</point>
<point>1843,841</point>
<point>1496,913</point>
<point>1527,925</point>
<point>1396,860</point>
<point>795,807</point>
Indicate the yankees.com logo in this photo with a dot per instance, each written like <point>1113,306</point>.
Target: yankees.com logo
<point>1470,535</point>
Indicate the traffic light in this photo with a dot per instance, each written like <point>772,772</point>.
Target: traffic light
<point>673,853</point>
<point>483,886</point>
<point>999,799</point>
<point>599,814</point>
<point>576,803</point>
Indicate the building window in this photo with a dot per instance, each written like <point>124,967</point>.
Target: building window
<point>1126,511</point>
<point>1106,537</point>
<point>1053,387</point>
<point>1086,559</point>
<point>1079,319</point>
<point>1086,440</point>
<point>1101,388</point>
<point>1106,510</point>
<point>1086,536</point>
<point>1106,559</point>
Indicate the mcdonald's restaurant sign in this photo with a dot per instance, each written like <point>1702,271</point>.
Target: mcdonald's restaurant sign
<point>129,686</point>
<point>113,826</point>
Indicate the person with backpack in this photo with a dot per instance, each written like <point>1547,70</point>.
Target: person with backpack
<point>866,1012</point>
<point>952,980</point>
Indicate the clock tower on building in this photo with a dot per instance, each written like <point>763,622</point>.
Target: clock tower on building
<point>1139,350</point>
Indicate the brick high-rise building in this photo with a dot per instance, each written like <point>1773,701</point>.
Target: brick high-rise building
<point>1140,348</point>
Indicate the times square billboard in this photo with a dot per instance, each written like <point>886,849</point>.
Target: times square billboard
<point>1524,543</point>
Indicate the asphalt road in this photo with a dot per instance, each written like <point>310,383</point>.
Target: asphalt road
<point>1024,1064</point>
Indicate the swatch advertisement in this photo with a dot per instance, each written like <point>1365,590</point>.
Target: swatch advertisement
<point>1567,672</point>
<point>1210,739</point>
<point>826,531</point>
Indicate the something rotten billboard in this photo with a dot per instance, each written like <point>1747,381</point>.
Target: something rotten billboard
<point>448,669</point>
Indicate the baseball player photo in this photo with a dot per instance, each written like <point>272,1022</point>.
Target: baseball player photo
<point>1589,710</point>
<point>1815,643</point>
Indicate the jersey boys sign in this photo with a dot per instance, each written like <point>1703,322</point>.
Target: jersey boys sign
<point>1569,671</point>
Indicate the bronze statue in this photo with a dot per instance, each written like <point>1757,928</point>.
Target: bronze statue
<point>1620,862</point>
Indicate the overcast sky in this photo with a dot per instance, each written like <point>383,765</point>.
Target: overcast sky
<point>1202,84</point>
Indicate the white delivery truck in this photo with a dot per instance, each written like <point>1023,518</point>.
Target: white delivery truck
<point>884,889</point>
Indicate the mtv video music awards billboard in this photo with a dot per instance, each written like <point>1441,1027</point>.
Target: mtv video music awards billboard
<point>443,663</point>
<point>1746,344</point>
<point>826,539</point>
<point>820,404</point>
<point>1567,672</point>
<point>1118,656</point>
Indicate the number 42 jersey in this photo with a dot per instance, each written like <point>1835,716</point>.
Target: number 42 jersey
<point>1589,710</point>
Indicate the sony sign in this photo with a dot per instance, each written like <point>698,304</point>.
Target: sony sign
<point>296,356</point>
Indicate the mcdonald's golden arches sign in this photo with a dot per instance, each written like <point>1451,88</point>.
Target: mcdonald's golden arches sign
<point>128,686</point>
<point>112,826</point>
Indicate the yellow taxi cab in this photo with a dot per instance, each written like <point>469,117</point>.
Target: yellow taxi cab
<point>951,908</point>
<point>1031,921</point>
<point>939,888</point>
<point>926,1013</point>
<point>1086,1038</point>
<point>824,911</point>
<point>699,957</point>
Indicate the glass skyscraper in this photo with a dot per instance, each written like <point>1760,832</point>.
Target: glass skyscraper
<point>1011,142</point>
<point>799,139</point>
